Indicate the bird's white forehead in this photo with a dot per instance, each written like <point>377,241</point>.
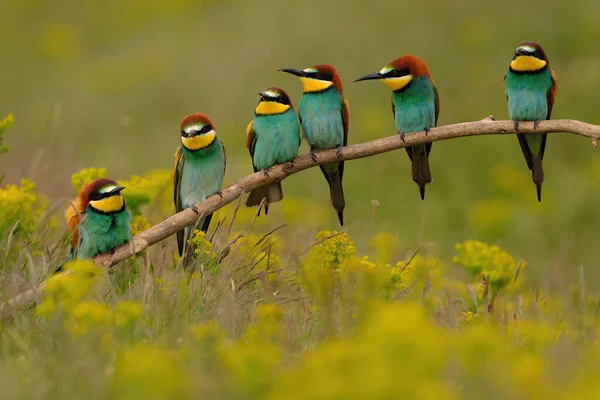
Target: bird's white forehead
<point>385,70</point>
<point>272,93</point>
<point>193,128</point>
<point>309,70</point>
<point>107,189</point>
<point>528,49</point>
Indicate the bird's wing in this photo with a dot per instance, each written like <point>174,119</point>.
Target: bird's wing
<point>551,93</point>
<point>251,142</point>
<point>177,171</point>
<point>437,103</point>
<point>72,214</point>
<point>345,119</point>
<point>224,158</point>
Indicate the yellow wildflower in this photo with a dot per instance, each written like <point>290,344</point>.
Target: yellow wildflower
<point>87,316</point>
<point>20,205</point>
<point>480,258</point>
<point>5,123</point>
<point>85,176</point>
<point>335,247</point>
<point>126,312</point>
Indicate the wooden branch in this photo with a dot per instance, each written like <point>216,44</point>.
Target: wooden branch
<point>173,224</point>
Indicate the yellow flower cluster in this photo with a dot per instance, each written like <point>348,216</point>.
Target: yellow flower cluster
<point>5,123</point>
<point>67,289</point>
<point>335,247</point>
<point>85,176</point>
<point>496,266</point>
<point>20,207</point>
<point>67,294</point>
<point>152,187</point>
<point>202,247</point>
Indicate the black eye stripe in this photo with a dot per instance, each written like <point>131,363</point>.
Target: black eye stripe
<point>323,76</point>
<point>396,73</point>
<point>205,129</point>
<point>96,196</point>
<point>278,99</point>
<point>536,54</point>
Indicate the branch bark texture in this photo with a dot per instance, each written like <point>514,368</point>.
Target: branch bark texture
<point>173,224</point>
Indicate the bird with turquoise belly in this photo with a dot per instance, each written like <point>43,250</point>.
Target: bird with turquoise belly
<point>98,219</point>
<point>323,112</point>
<point>199,172</point>
<point>415,106</point>
<point>530,86</point>
<point>272,137</point>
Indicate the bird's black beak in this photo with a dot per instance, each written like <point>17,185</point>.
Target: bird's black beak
<point>263,95</point>
<point>374,75</point>
<point>116,190</point>
<point>294,71</point>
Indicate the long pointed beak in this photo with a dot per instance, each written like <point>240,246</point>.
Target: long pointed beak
<point>294,71</point>
<point>374,75</point>
<point>117,190</point>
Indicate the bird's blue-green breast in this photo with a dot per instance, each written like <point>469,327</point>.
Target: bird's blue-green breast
<point>527,95</point>
<point>101,232</point>
<point>277,138</point>
<point>322,121</point>
<point>202,174</point>
<point>415,106</point>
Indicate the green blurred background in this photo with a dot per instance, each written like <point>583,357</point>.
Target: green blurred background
<point>105,84</point>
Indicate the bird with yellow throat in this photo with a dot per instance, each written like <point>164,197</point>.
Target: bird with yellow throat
<point>415,106</point>
<point>98,219</point>
<point>272,137</point>
<point>323,112</point>
<point>530,87</point>
<point>199,171</point>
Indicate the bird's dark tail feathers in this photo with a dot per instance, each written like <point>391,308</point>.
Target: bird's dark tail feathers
<point>421,173</point>
<point>272,192</point>
<point>534,162</point>
<point>537,175</point>
<point>333,172</point>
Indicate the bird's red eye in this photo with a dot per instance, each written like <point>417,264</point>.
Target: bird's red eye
<point>317,76</point>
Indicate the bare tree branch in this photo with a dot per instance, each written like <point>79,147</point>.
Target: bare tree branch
<point>168,227</point>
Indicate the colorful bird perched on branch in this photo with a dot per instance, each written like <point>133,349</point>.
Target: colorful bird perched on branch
<point>415,106</point>
<point>98,219</point>
<point>272,137</point>
<point>530,90</point>
<point>323,113</point>
<point>199,171</point>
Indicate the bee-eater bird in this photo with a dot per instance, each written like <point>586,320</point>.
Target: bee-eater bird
<point>415,106</point>
<point>272,137</point>
<point>98,219</point>
<point>199,171</point>
<point>323,112</point>
<point>530,90</point>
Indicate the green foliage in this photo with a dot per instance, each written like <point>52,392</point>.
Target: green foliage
<point>5,123</point>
